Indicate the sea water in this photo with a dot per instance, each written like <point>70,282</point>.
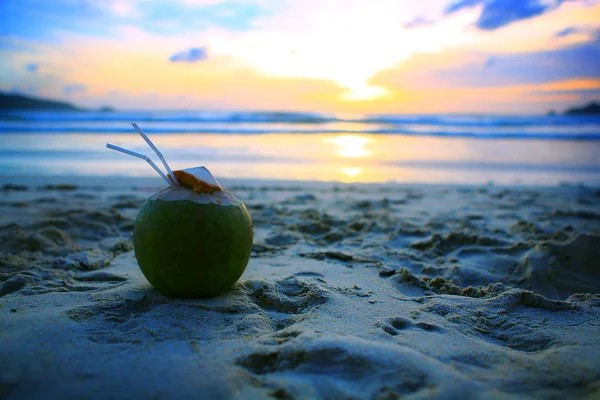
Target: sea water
<point>468,149</point>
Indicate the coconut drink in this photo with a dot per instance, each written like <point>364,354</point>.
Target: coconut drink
<point>193,238</point>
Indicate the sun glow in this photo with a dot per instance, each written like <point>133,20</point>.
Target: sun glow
<point>347,48</point>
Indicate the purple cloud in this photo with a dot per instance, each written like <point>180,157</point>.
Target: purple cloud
<point>23,90</point>
<point>567,31</point>
<point>490,62</point>
<point>70,89</point>
<point>499,13</point>
<point>193,55</point>
<point>32,67</point>
<point>417,22</point>
<point>582,93</point>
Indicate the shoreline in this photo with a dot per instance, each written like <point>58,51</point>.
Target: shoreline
<point>153,181</point>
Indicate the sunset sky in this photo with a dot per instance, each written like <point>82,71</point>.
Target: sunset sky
<point>345,56</point>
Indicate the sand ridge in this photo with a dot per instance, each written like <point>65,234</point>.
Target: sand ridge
<point>352,291</point>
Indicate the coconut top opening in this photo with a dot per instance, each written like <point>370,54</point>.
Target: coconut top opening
<point>198,179</point>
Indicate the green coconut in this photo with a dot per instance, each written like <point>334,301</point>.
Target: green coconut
<point>193,238</point>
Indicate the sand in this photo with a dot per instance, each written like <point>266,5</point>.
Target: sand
<point>352,291</point>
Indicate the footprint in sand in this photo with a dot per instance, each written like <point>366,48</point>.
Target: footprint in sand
<point>291,295</point>
<point>379,370</point>
<point>394,325</point>
<point>280,337</point>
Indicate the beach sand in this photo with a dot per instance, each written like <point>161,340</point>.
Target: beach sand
<point>352,291</point>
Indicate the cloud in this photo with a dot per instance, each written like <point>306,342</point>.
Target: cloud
<point>499,13</point>
<point>571,30</point>
<point>464,70</point>
<point>490,62</point>
<point>566,32</point>
<point>193,55</point>
<point>581,93</point>
<point>203,2</point>
<point>418,22</point>
<point>459,5</point>
<point>23,91</point>
<point>32,67</point>
<point>70,89</point>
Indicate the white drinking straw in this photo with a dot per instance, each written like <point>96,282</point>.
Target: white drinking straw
<point>143,157</point>
<point>158,153</point>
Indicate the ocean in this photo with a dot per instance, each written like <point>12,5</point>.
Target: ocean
<point>463,149</point>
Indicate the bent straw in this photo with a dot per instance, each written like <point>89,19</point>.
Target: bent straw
<point>143,157</point>
<point>158,153</point>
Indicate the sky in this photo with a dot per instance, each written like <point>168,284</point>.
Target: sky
<point>338,56</point>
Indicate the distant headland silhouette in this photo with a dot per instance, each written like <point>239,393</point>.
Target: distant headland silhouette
<point>590,109</point>
<point>21,102</point>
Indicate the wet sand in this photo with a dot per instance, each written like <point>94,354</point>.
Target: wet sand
<point>352,291</point>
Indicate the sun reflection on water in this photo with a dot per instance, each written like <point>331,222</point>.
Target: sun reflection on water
<point>350,146</point>
<point>350,173</point>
